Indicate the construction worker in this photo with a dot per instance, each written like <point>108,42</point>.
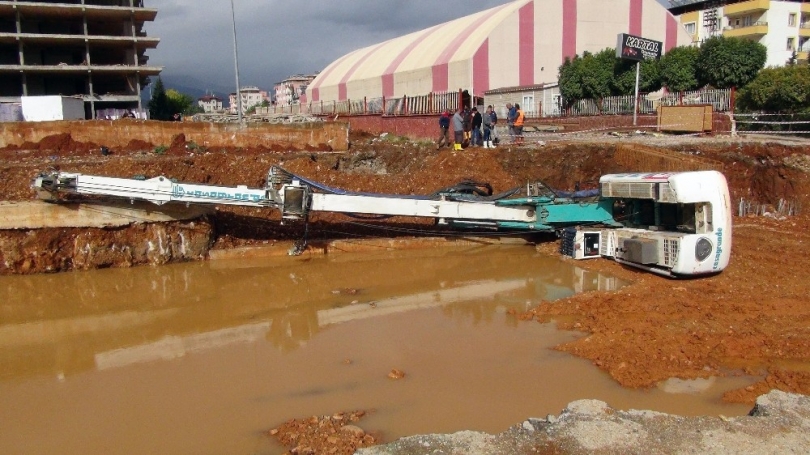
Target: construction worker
<point>511,112</point>
<point>458,129</point>
<point>519,119</point>
<point>444,130</point>
<point>466,114</point>
<point>490,119</point>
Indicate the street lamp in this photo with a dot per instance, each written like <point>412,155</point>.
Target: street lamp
<point>236,66</point>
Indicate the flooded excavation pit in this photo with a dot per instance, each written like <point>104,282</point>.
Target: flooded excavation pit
<point>204,358</point>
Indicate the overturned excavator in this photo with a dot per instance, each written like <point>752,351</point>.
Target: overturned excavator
<point>674,224</point>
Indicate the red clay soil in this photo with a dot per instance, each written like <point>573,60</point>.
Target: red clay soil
<point>337,434</point>
<point>753,318</point>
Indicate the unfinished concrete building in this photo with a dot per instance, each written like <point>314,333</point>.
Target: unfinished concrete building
<point>92,49</point>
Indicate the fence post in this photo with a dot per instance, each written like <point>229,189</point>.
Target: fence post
<point>732,101</point>
<point>383,106</point>
<point>405,109</point>
<point>365,105</point>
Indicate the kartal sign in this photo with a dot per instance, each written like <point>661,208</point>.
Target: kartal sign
<point>636,48</point>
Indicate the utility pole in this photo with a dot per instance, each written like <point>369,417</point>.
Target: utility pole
<point>236,66</point>
<point>635,103</point>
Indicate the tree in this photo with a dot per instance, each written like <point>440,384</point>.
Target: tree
<point>679,69</point>
<point>596,71</point>
<point>624,81</point>
<point>600,75</point>
<point>729,62</point>
<point>785,90</point>
<point>181,103</point>
<point>159,108</point>
<point>570,80</point>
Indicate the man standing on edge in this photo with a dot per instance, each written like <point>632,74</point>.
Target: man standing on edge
<point>458,130</point>
<point>511,114</point>
<point>518,126</point>
<point>490,119</point>
<point>444,130</point>
<point>476,127</point>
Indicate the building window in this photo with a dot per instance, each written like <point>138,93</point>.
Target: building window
<point>790,43</point>
<point>690,28</point>
<point>792,20</point>
<point>528,105</point>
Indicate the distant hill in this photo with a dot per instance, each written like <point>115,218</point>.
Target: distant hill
<point>188,85</point>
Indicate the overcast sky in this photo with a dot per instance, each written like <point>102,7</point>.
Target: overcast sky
<point>278,38</point>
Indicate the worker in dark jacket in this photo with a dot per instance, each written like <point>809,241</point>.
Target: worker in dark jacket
<point>444,130</point>
<point>466,116</point>
<point>476,127</point>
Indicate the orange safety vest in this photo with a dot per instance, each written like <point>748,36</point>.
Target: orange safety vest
<point>519,118</point>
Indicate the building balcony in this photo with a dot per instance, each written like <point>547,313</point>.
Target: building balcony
<point>755,30</point>
<point>82,69</point>
<point>801,56</point>
<point>63,11</point>
<point>804,30</point>
<point>749,7</point>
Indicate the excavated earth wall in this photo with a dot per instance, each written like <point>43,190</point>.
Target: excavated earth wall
<point>40,237</point>
<point>120,133</point>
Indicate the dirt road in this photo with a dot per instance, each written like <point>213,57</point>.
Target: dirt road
<point>753,318</point>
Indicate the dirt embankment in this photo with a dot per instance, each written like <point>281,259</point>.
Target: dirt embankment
<point>753,318</point>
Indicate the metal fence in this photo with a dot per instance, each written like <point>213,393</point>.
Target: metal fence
<point>721,100</point>
<point>782,208</point>
<point>435,103</point>
<point>773,123</point>
<point>432,103</point>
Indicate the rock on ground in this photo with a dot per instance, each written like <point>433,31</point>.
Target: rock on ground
<point>778,424</point>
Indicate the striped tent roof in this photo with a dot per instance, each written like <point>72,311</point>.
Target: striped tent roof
<point>518,43</point>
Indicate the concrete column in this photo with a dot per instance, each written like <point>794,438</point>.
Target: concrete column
<point>21,50</point>
<point>89,63</point>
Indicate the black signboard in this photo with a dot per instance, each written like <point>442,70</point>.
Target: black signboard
<point>636,48</point>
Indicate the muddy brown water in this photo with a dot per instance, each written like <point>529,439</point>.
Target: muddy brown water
<point>203,358</point>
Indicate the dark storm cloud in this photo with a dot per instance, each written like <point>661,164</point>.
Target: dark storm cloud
<point>280,38</point>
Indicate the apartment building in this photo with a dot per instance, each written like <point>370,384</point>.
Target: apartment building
<point>90,49</point>
<point>251,96</point>
<point>293,89</point>
<point>782,26</point>
<point>210,103</point>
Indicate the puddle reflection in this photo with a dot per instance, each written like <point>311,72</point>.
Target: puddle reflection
<point>113,318</point>
<point>203,358</point>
